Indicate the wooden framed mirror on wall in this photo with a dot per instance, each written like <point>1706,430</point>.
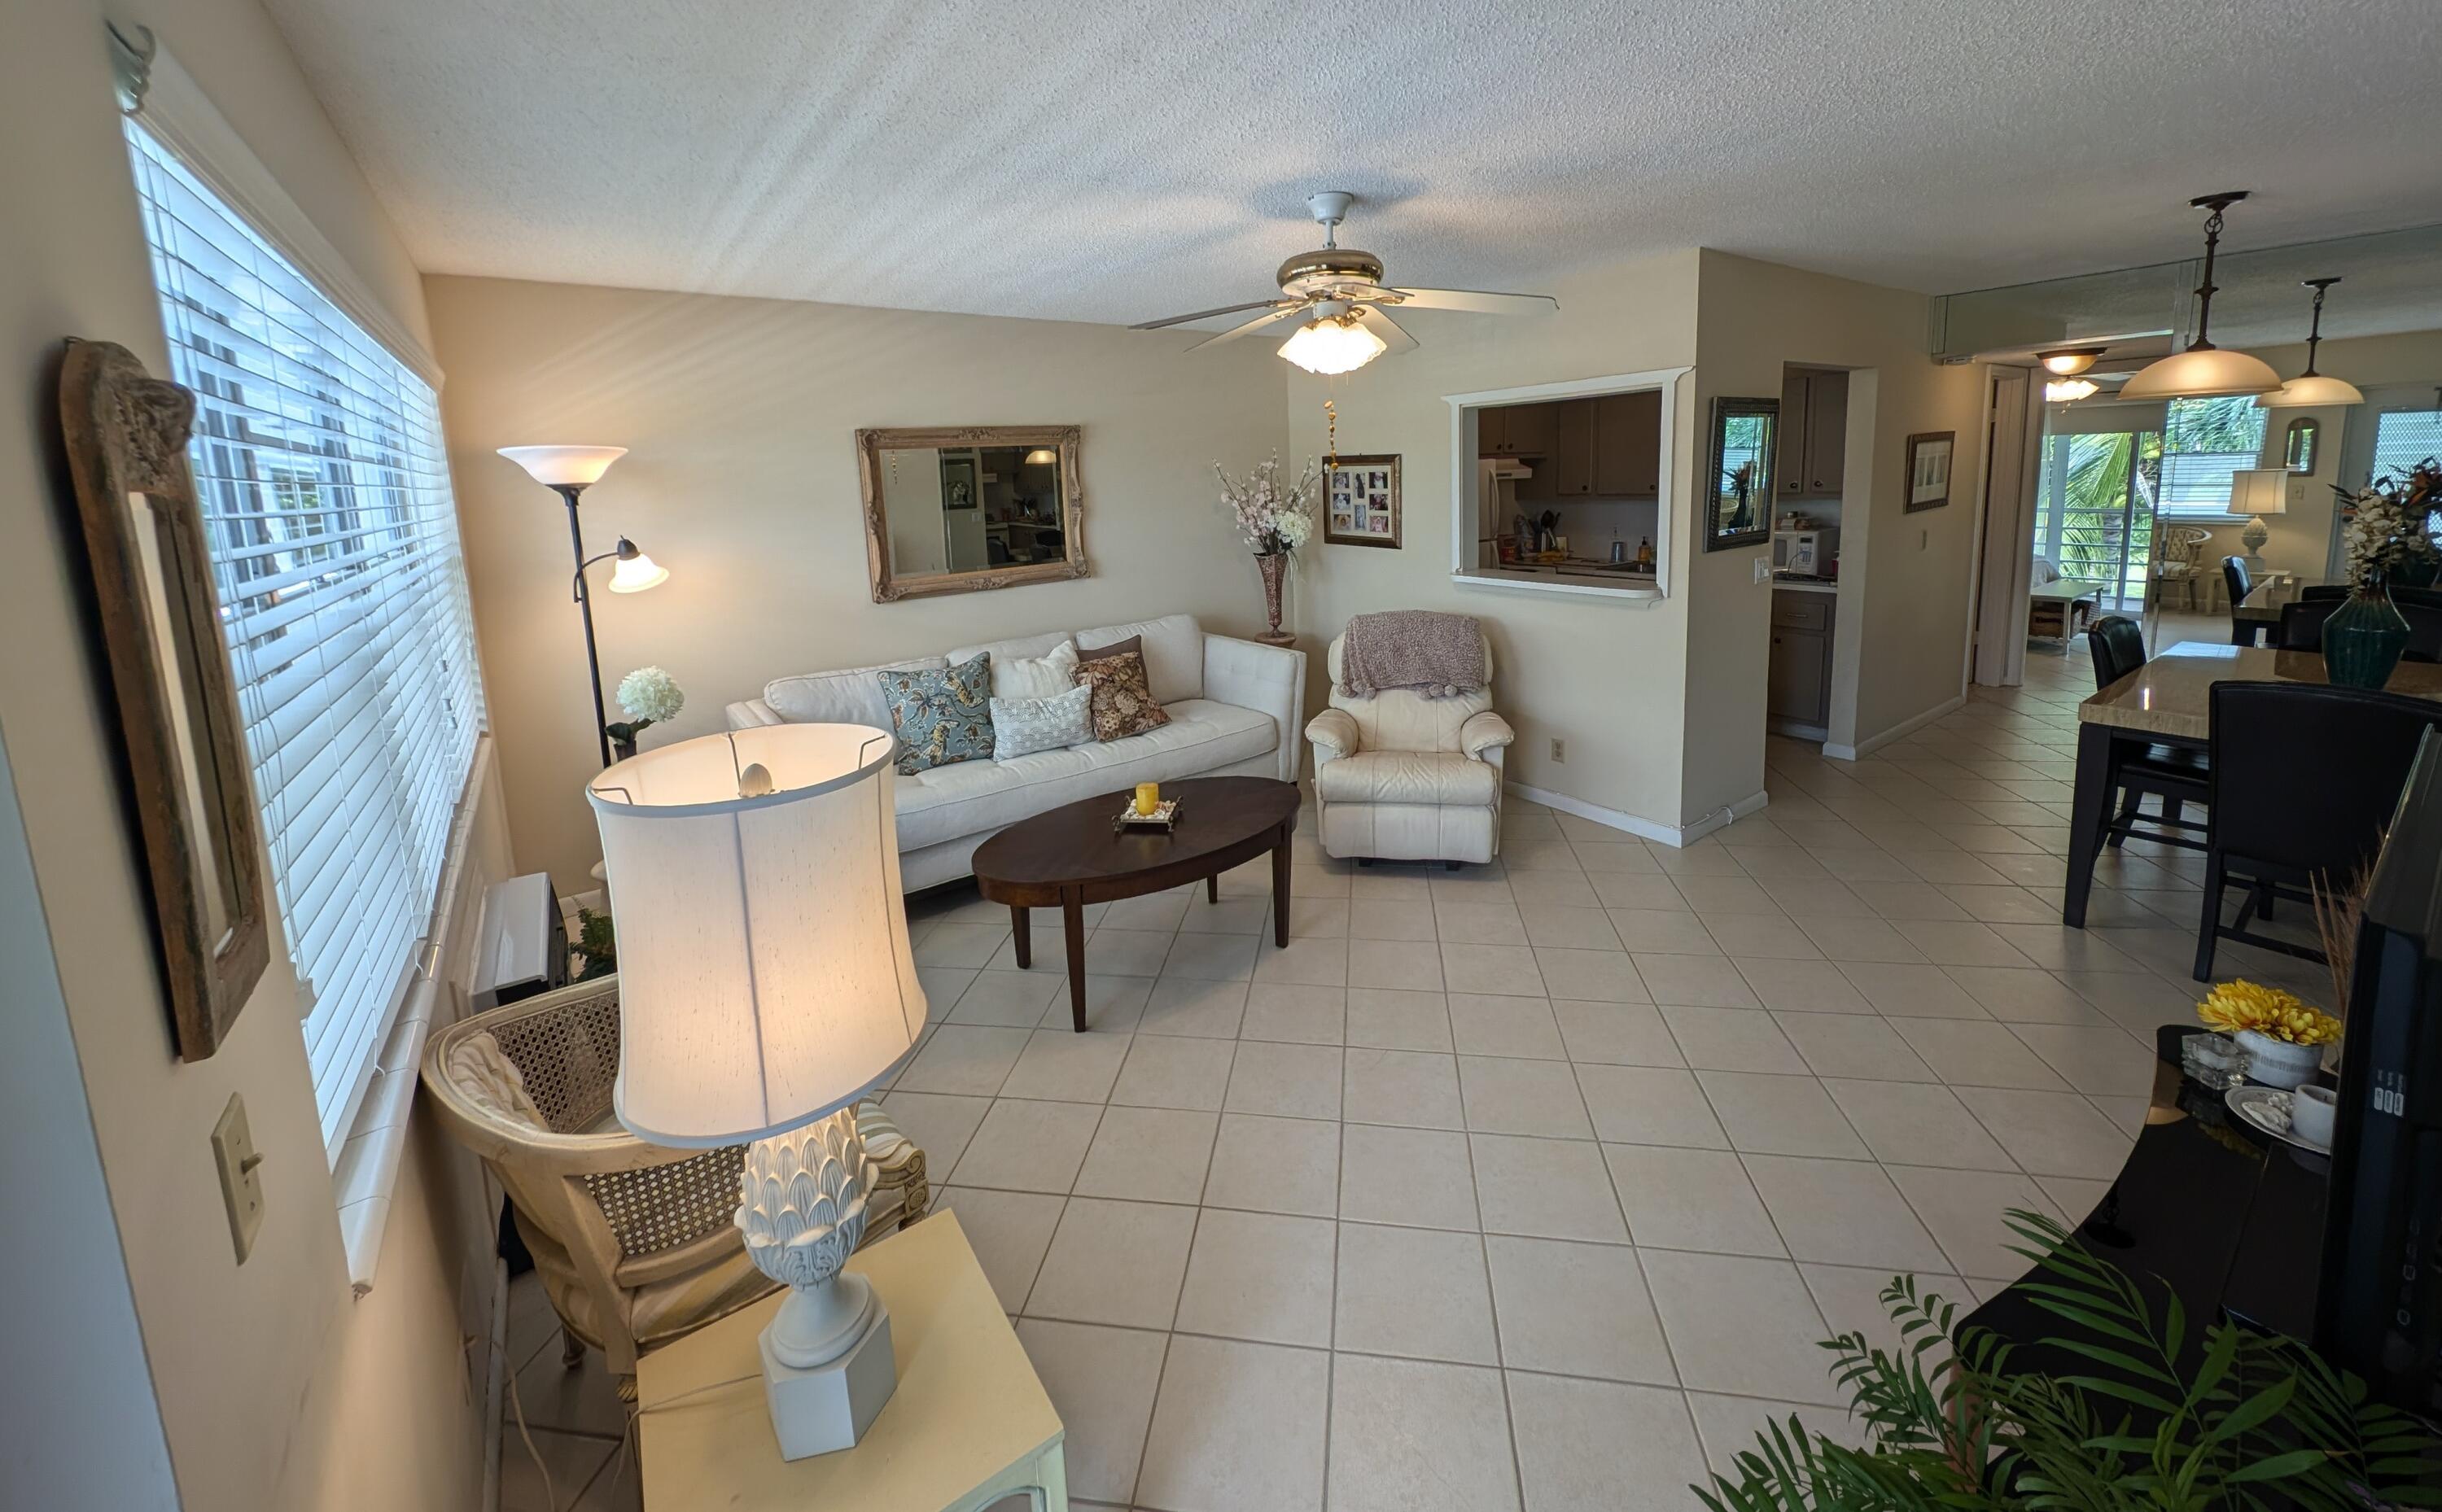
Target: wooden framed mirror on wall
<point>961,509</point>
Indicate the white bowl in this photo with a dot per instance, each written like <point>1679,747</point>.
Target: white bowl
<point>2278,1063</point>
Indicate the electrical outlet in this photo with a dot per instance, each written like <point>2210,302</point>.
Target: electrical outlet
<point>1559,749</point>
<point>1924,537</point>
<point>241,1176</point>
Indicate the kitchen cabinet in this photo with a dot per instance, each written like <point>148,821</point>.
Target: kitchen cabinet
<point>1628,444</point>
<point>1514,430</point>
<point>1571,459</point>
<point>1813,442</point>
<point>1799,685</point>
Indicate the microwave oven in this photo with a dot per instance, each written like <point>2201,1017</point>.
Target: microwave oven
<point>1811,553</point>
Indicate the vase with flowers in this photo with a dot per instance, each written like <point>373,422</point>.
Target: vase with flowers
<point>1274,520</point>
<point>648,696</point>
<point>2283,1037</point>
<point>2388,540</point>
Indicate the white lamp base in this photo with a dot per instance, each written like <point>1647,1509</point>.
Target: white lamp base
<point>820,1409</point>
<point>2253,538</point>
<point>827,1362</point>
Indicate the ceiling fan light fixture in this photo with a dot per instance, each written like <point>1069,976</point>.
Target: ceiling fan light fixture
<point>1333,345</point>
<point>2068,362</point>
<point>2068,390</point>
<point>2205,371</point>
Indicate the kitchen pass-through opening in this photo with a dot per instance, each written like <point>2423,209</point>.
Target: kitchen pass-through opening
<point>1566,487</point>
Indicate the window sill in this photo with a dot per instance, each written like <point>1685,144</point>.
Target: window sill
<point>1531,581</point>
<point>2182,516</point>
<point>364,1170</point>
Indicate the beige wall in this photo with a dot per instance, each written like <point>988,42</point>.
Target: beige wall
<point>275,1389</point>
<point>739,418</point>
<point>1901,634</point>
<point>1605,675</point>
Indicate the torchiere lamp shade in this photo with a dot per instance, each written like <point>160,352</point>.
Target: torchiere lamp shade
<point>765,978</point>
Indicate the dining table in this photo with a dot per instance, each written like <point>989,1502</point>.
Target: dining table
<point>2169,702</point>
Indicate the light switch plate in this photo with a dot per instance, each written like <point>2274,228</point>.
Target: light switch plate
<point>241,1176</point>
<point>1763,568</point>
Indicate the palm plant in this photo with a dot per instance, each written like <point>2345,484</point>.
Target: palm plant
<point>2249,1421</point>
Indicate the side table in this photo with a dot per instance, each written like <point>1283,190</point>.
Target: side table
<point>968,1424</point>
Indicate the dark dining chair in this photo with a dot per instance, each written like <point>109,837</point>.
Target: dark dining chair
<point>2175,774</point>
<point>2234,577</point>
<point>2430,597</point>
<point>2303,779</point>
<point>2301,625</point>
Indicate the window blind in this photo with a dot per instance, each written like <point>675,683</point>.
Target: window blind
<point>2204,441</point>
<point>334,537</point>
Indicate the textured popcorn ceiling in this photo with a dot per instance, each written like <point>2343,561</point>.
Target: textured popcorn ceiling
<point>1119,163</point>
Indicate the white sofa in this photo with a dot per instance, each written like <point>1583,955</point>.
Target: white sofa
<point>1400,776</point>
<point>1234,708</point>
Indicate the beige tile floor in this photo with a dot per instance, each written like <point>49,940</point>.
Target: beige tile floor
<point>1535,1185</point>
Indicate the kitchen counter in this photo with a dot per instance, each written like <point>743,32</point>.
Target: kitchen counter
<point>1802,585</point>
<point>1575,576</point>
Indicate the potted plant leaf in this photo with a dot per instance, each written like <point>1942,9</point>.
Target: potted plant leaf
<point>2168,1420</point>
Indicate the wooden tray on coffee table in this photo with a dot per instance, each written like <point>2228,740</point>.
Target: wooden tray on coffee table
<point>1069,857</point>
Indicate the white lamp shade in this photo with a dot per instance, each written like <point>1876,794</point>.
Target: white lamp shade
<point>765,978</point>
<point>633,575</point>
<point>2211,373</point>
<point>2259,491</point>
<point>1328,346</point>
<point>1043,457</point>
<point>2311,389</point>
<point>565,466</point>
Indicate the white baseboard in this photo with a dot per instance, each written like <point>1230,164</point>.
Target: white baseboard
<point>1896,732</point>
<point>1643,828</point>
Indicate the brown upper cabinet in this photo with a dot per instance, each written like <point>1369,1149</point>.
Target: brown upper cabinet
<point>1514,430</point>
<point>1813,447</point>
<point>1628,444</point>
<point>1604,447</point>
<point>1571,460</point>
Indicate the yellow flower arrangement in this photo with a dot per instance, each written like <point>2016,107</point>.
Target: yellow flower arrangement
<point>2269,1011</point>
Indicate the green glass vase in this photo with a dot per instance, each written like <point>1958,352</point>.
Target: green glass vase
<point>2363,638</point>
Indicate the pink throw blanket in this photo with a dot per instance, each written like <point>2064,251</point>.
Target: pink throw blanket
<point>1420,650</point>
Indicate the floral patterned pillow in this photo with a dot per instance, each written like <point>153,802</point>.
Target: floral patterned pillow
<point>944,714</point>
<point>1124,704</point>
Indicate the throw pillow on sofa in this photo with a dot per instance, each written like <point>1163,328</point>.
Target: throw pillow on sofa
<point>1124,704</point>
<point>1036,677</point>
<point>943,715</point>
<point>1024,726</point>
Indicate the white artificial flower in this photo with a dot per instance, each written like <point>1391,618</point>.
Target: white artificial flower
<point>649,693</point>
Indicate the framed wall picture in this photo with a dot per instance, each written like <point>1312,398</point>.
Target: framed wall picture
<point>1361,501</point>
<point>1738,504</point>
<point>125,435</point>
<point>1928,468</point>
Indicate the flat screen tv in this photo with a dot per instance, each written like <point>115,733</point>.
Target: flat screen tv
<point>2379,1310</point>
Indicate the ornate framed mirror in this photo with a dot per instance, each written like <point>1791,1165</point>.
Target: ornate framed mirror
<point>961,509</point>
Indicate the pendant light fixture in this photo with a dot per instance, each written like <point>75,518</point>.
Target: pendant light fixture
<point>2204,371</point>
<point>2312,387</point>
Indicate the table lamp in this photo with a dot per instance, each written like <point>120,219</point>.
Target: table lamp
<point>765,986</point>
<point>2256,492</point>
<point>568,471</point>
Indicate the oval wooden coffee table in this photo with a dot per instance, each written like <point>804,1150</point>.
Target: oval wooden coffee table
<point>1069,857</point>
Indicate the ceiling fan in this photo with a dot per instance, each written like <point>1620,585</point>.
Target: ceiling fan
<point>1343,304</point>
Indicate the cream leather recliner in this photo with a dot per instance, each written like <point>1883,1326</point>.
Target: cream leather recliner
<point>1400,776</point>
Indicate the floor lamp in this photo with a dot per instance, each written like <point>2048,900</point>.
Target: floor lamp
<point>568,471</point>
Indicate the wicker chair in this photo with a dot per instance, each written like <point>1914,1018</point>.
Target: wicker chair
<point>635,1243</point>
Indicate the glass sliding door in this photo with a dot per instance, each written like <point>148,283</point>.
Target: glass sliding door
<point>2094,510</point>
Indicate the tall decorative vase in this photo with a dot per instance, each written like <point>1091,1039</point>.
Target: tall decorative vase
<point>2363,638</point>
<point>1274,565</point>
